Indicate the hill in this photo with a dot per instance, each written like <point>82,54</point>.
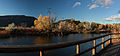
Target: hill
<point>17,19</point>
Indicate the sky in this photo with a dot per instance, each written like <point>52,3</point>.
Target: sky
<point>100,11</point>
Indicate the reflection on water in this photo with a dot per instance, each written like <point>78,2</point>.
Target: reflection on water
<point>35,40</point>
<point>42,40</point>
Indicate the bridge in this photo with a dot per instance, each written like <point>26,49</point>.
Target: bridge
<point>106,46</point>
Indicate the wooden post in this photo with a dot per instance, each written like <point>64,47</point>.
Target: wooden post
<point>94,49</point>
<point>102,45</point>
<point>110,40</point>
<point>77,49</point>
<point>41,53</point>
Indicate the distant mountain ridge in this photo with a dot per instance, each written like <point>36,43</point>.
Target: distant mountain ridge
<point>17,19</point>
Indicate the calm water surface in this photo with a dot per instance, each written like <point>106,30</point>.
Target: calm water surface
<point>35,40</point>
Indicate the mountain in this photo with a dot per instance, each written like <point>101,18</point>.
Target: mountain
<point>17,19</point>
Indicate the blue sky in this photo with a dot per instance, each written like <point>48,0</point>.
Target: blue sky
<point>101,11</point>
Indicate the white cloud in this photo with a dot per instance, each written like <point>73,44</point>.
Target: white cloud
<point>93,6</point>
<point>76,4</point>
<point>93,0</point>
<point>102,3</point>
<point>113,18</point>
<point>88,5</point>
<point>106,3</point>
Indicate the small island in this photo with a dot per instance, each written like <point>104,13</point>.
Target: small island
<point>48,26</point>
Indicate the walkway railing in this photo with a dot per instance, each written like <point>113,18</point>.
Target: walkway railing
<point>45,47</point>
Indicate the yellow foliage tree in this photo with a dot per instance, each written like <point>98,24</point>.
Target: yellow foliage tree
<point>40,17</point>
<point>43,23</point>
<point>72,20</point>
<point>100,26</point>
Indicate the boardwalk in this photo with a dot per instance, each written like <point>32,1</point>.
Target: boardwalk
<point>113,50</point>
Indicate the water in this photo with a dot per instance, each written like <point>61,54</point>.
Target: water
<point>35,40</point>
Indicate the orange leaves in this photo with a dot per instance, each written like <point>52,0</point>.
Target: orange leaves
<point>40,17</point>
<point>42,23</point>
<point>72,20</point>
<point>101,26</point>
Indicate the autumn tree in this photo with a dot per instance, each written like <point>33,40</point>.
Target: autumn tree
<point>45,22</point>
<point>84,26</point>
<point>101,27</point>
<point>62,26</point>
<point>10,27</point>
<point>72,20</point>
<point>42,23</point>
<point>81,25</point>
<point>94,25</point>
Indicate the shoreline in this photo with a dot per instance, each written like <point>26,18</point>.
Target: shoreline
<point>34,33</point>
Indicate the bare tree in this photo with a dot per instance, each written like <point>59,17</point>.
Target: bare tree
<point>49,12</point>
<point>53,18</point>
